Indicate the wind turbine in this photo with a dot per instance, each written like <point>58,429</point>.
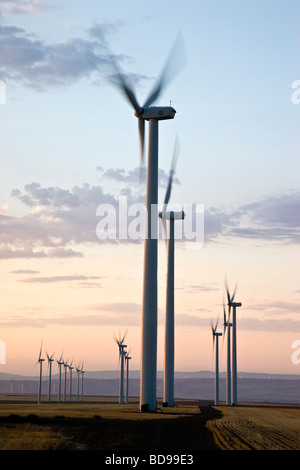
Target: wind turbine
<point>82,373</point>
<point>153,114</point>
<point>60,363</point>
<point>50,360</point>
<point>122,346</point>
<point>40,361</point>
<point>233,304</point>
<point>168,388</point>
<point>127,359</point>
<point>70,380</point>
<point>78,375</point>
<point>65,364</point>
<point>216,338</point>
<point>228,325</point>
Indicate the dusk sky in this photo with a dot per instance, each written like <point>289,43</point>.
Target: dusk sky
<point>69,145</point>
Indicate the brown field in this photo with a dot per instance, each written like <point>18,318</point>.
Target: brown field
<point>257,428</point>
<point>103,424</point>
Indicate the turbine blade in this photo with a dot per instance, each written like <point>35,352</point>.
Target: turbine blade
<point>175,62</point>
<point>40,351</point>
<point>124,336</point>
<point>164,227</point>
<point>123,85</point>
<point>225,323</point>
<point>141,122</point>
<point>227,290</point>
<point>234,292</point>
<point>171,174</point>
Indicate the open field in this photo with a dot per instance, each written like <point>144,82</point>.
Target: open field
<point>257,428</point>
<point>103,424</point>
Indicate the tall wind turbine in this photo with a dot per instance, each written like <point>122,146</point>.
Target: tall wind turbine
<point>70,380</point>
<point>50,360</point>
<point>216,339</point>
<point>168,386</point>
<point>40,361</point>
<point>121,346</point>
<point>127,359</point>
<point>153,114</point>
<point>234,305</point>
<point>60,363</point>
<point>227,325</point>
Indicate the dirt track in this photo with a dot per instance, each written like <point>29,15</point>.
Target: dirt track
<point>257,428</point>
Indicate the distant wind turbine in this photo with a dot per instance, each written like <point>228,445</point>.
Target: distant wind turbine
<point>153,114</point>
<point>65,382</point>
<point>233,304</point>
<point>127,359</point>
<point>227,326</point>
<point>60,362</point>
<point>50,360</point>
<point>216,343</point>
<point>121,346</point>
<point>78,371</point>
<point>168,387</point>
<point>70,380</point>
<point>40,361</point>
<point>82,373</point>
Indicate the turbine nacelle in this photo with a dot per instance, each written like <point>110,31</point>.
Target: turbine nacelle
<point>172,215</point>
<point>236,304</point>
<point>156,112</point>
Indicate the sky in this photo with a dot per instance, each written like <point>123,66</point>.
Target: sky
<point>69,149</point>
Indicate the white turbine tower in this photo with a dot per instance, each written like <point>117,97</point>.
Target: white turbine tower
<point>227,326</point>
<point>121,346</point>
<point>168,385</point>
<point>70,380</point>
<point>82,372</point>
<point>40,361</point>
<point>153,114</point>
<point>65,381</point>
<point>78,371</point>
<point>127,359</point>
<point>233,304</point>
<point>216,343</point>
<point>50,360</point>
<point>60,363</point>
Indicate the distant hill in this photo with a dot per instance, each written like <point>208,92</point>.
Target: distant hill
<point>135,374</point>
<point>252,387</point>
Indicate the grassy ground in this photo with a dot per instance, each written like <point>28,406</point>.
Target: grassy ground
<point>106,425</point>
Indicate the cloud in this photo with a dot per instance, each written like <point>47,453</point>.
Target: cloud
<point>23,7</point>
<point>49,279</point>
<point>32,62</point>
<point>138,174</point>
<point>24,271</point>
<point>60,219</point>
<point>118,315</point>
<point>271,219</point>
<point>274,218</point>
<point>277,308</point>
<point>123,315</point>
<point>9,253</point>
